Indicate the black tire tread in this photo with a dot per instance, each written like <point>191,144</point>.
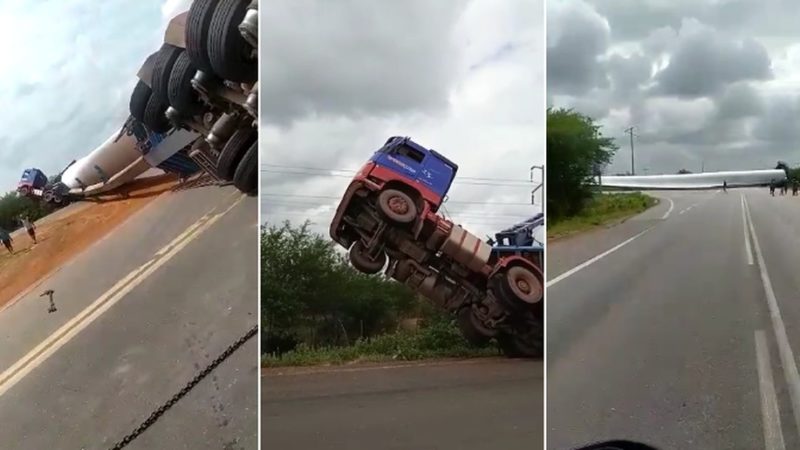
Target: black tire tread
<point>154,115</point>
<point>197,25</point>
<point>226,45</point>
<point>246,176</point>
<point>180,92</point>
<point>512,348</point>
<point>139,97</point>
<point>359,261</point>
<point>162,68</point>
<point>234,151</point>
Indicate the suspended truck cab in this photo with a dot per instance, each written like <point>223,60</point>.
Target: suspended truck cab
<point>388,221</point>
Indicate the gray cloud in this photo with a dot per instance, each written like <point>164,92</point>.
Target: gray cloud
<point>704,82</point>
<point>457,76</point>
<point>739,101</point>
<point>576,37</point>
<point>66,90</point>
<point>705,60</point>
<point>327,67</point>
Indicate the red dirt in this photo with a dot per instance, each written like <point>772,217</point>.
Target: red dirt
<point>66,236</point>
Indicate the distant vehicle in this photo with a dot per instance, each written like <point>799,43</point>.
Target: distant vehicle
<point>388,214</point>
<point>31,179</point>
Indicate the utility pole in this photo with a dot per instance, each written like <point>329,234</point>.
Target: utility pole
<point>630,132</point>
<point>539,186</point>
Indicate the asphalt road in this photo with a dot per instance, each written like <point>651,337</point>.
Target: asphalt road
<point>676,327</point>
<point>467,405</point>
<point>139,313</point>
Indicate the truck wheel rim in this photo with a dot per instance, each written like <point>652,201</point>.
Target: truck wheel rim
<point>524,285</point>
<point>398,205</point>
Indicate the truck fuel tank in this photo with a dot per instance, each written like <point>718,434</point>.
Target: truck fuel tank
<point>466,248</point>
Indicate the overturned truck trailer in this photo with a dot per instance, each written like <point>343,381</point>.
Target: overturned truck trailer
<point>194,107</point>
<point>705,180</point>
<point>124,156</point>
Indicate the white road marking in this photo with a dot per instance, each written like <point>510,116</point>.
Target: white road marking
<point>60,337</point>
<point>784,348</point>
<point>588,263</point>
<point>747,248</point>
<point>671,205</point>
<point>770,415</point>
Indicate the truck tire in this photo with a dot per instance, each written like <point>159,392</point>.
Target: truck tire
<point>397,206</point>
<point>162,68</point>
<point>139,97</point>
<point>24,191</point>
<point>229,53</point>
<point>362,262</point>
<point>246,176</point>
<point>182,96</point>
<point>234,150</point>
<point>527,345</point>
<point>196,34</point>
<point>155,115</point>
<point>471,332</point>
<point>520,288</point>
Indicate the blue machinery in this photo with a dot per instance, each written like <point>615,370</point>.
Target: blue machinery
<point>519,240</point>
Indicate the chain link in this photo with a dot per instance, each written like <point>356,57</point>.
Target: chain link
<point>155,415</point>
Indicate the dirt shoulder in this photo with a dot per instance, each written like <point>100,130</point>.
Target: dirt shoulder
<point>66,233</point>
<point>603,210</point>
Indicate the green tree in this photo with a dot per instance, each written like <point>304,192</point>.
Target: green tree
<point>310,294</point>
<point>12,206</point>
<point>576,150</point>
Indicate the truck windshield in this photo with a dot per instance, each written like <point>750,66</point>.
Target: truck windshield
<point>410,153</point>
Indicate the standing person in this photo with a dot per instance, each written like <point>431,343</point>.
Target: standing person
<point>772,187</point>
<point>29,227</point>
<point>725,185</point>
<point>6,238</point>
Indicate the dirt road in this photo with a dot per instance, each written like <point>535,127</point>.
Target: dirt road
<point>68,232</point>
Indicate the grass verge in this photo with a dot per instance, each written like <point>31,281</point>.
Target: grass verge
<point>432,342</point>
<point>601,210</point>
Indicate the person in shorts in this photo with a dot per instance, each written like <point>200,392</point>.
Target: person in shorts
<point>6,238</point>
<point>29,227</point>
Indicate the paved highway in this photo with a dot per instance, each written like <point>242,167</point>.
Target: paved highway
<point>139,313</point>
<point>463,405</point>
<point>678,327</point>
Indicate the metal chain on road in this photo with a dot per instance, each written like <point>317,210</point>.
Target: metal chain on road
<point>185,390</point>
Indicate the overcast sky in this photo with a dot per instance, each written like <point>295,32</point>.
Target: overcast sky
<point>66,75</point>
<point>465,78</point>
<point>703,81</point>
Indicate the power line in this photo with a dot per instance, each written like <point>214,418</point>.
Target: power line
<point>456,212</point>
<point>354,171</point>
<point>629,130</point>
<point>348,174</point>
<point>331,197</point>
<point>476,222</point>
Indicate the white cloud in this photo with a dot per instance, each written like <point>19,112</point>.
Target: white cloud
<point>65,77</point>
<point>489,120</point>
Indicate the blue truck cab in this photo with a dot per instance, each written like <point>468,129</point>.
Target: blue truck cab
<point>31,179</point>
<point>402,159</point>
